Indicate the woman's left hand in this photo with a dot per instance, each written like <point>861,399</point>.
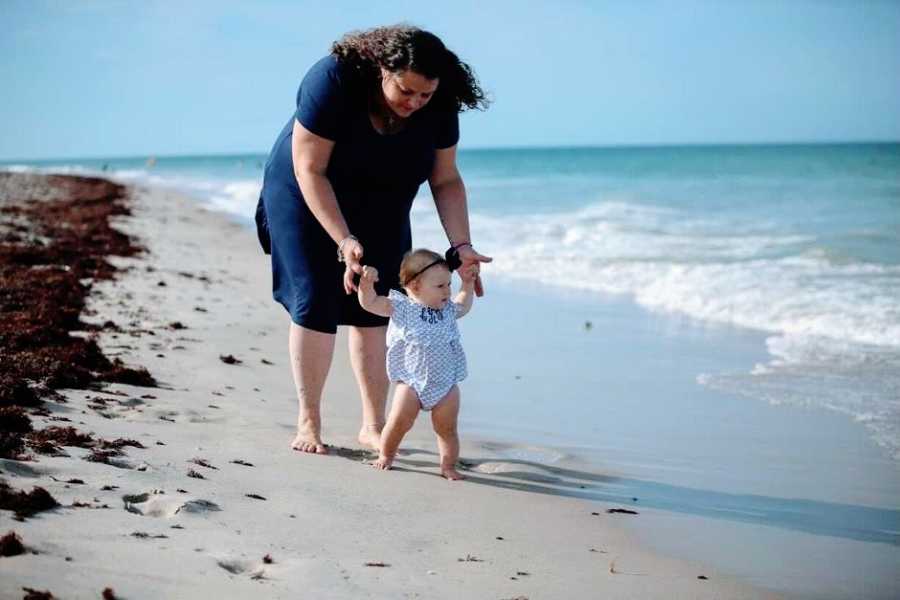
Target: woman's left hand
<point>352,251</point>
<point>468,256</point>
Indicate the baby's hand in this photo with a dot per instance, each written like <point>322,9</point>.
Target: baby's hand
<point>468,273</point>
<point>369,275</point>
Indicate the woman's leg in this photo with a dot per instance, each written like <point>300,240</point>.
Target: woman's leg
<point>311,353</point>
<point>404,410</point>
<point>443,418</point>
<point>367,355</point>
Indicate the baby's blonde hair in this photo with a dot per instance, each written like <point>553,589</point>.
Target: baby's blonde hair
<point>413,263</point>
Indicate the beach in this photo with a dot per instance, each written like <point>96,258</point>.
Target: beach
<point>682,379</point>
<point>215,504</point>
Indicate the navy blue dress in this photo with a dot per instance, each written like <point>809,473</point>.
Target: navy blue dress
<point>375,179</point>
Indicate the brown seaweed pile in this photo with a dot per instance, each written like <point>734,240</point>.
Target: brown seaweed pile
<point>25,504</point>
<point>55,237</point>
<point>11,545</point>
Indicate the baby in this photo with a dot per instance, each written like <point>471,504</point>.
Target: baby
<point>424,356</point>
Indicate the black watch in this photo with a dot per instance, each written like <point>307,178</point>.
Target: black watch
<point>452,259</point>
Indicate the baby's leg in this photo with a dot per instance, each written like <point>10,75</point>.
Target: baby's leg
<point>404,410</point>
<point>443,418</point>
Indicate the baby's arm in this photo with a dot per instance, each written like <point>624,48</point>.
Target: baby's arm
<point>463,300</point>
<point>368,298</point>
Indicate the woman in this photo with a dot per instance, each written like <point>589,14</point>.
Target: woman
<point>375,119</point>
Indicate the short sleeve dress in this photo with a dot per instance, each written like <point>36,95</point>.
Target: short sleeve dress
<point>375,178</point>
<point>424,349</point>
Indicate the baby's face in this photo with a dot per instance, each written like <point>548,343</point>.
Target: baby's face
<point>432,288</point>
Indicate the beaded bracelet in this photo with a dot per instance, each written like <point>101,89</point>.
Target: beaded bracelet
<point>340,248</point>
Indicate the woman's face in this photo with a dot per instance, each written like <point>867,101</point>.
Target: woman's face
<point>407,91</point>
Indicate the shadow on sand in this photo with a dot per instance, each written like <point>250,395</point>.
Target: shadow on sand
<point>861,523</point>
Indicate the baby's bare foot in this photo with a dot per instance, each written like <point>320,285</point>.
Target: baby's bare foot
<point>308,438</point>
<point>451,473</point>
<point>370,435</point>
<point>384,462</point>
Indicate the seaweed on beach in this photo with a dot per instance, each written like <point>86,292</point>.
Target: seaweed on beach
<point>137,376</point>
<point>78,504</point>
<point>13,424</point>
<point>55,237</point>
<point>203,463</point>
<point>25,504</point>
<point>103,456</point>
<point>15,392</point>
<point>45,276</point>
<point>109,594</point>
<point>119,443</point>
<point>33,594</point>
<point>144,535</point>
<point>195,474</point>
<point>52,439</point>
<point>62,436</point>
<point>11,545</point>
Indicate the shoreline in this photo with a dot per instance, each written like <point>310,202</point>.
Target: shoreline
<point>705,464</point>
<point>324,522</point>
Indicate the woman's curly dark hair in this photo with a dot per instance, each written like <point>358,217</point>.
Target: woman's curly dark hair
<point>401,47</point>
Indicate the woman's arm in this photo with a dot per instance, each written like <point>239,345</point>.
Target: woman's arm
<point>310,154</point>
<point>449,194</point>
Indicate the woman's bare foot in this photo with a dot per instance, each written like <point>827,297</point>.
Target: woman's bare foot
<point>384,462</point>
<point>308,438</point>
<point>370,435</point>
<point>451,473</point>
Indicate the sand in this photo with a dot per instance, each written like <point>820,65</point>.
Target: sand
<point>264,520</point>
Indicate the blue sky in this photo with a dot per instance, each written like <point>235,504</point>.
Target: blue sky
<point>114,78</point>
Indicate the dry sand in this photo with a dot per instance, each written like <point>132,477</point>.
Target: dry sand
<point>332,526</point>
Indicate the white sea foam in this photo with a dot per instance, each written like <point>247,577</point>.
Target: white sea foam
<point>859,380</point>
<point>835,326</point>
<point>753,280</point>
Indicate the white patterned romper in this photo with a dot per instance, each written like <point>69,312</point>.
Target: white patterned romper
<point>424,350</point>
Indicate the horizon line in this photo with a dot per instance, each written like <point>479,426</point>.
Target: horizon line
<point>637,145</point>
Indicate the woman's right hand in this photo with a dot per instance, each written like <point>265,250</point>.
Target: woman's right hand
<point>352,251</point>
<point>469,257</point>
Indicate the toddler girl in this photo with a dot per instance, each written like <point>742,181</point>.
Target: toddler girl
<point>424,358</point>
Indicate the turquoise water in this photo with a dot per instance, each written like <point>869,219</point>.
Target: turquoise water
<point>798,242</point>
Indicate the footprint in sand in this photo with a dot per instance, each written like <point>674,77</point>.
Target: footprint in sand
<point>237,566</point>
<point>157,504</point>
<point>196,417</point>
<point>491,467</point>
<point>353,453</point>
